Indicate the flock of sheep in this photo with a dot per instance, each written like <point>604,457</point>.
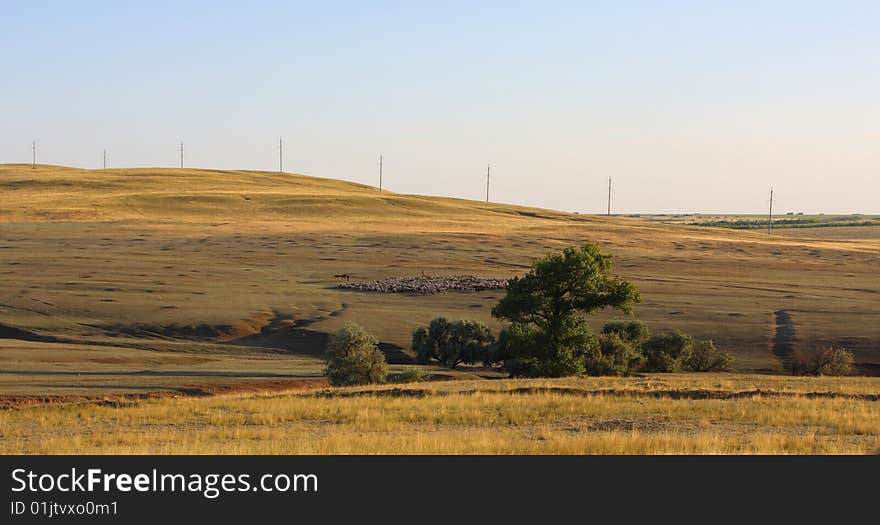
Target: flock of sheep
<point>427,284</point>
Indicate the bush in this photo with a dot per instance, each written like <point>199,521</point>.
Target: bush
<point>411,375</point>
<point>633,332</point>
<point>453,343</point>
<point>706,358</point>
<point>667,352</point>
<point>421,345</point>
<point>613,356</point>
<point>427,342</point>
<point>470,342</point>
<point>514,341</point>
<point>355,358</point>
<point>527,352</point>
<point>828,361</point>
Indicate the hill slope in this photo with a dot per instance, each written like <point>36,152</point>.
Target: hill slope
<point>243,262</point>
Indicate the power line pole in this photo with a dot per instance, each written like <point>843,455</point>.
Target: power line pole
<point>380,172</point>
<point>609,197</point>
<point>487,182</point>
<point>181,154</point>
<point>105,159</point>
<point>770,216</point>
<point>34,150</point>
<point>280,156</point>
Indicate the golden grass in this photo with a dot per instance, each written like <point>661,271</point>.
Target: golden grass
<point>473,417</point>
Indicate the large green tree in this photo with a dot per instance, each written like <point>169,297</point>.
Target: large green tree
<point>548,305</point>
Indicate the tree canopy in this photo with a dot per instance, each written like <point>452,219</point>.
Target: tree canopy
<point>453,342</point>
<point>547,306</point>
<point>354,357</point>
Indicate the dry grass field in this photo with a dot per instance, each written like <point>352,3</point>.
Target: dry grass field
<point>669,414</point>
<point>134,286</point>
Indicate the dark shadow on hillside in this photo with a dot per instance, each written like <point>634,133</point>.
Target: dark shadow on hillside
<point>11,332</point>
<point>784,338</point>
<point>293,340</point>
<point>194,332</point>
<point>304,341</point>
<point>395,354</point>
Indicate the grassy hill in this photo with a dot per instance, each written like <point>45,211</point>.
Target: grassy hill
<point>238,267</point>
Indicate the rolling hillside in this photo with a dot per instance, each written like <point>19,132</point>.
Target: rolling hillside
<point>240,265</point>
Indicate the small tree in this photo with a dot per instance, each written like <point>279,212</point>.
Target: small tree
<point>355,358</point>
<point>613,356</point>
<point>632,332</point>
<point>429,343</point>
<point>667,352</point>
<point>828,361</point>
<point>469,342</point>
<point>706,358</point>
<point>421,345</point>
<point>453,343</point>
<point>548,304</point>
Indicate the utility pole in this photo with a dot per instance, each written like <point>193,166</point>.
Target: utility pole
<point>380,172</point>
<point>609,197</point>
<point>770,216</point>
<point>487,182</point>
<point>105,159</point>
<point>280,156</point>
<point>34,150</point>
<point>181,154</point>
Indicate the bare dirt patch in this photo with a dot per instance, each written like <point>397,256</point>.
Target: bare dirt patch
<point>628,425</point>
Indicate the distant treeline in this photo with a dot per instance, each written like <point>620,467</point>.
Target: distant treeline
<point>753,224</point>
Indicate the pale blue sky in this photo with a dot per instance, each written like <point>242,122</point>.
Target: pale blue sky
<point>689,106</point>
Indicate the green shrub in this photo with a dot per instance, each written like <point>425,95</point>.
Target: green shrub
<point>453,343</point>
<point>633,332</point>
<point>428,342</point>
<point>421,345</point>
<point>828,361</point>
<point>529,353</point>
<point>706,358</point>
<point>411,375</point>
<point>470,342</point>
<point>514,341</point>
<point>667,352</point>
<point>613,356</point>
<point>354,357</point>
